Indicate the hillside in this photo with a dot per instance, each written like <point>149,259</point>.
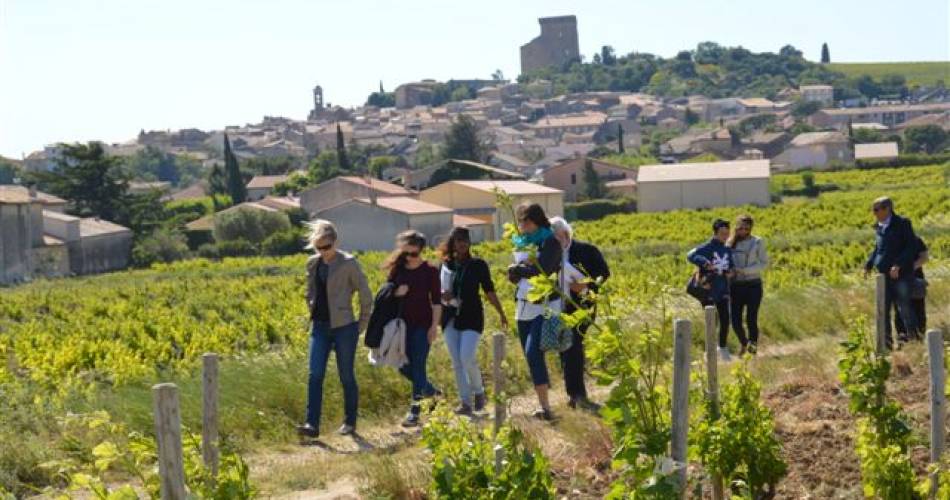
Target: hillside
<point>916,73</point>
<point>99,343</point>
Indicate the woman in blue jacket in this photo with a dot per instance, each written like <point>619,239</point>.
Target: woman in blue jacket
<point>716,267</point>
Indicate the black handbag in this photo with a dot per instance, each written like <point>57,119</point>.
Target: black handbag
<point>698,288</point>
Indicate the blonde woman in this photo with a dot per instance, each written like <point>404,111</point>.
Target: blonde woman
<point>333,276</point>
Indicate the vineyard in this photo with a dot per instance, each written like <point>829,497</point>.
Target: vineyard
<point>98,344</point>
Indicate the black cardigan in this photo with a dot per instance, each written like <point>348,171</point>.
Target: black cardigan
<point>549,259</point>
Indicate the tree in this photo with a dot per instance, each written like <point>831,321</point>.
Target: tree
<point>248,224</point>
<point>94,183</point>
<point>928,139</point>
<point>460,93</point>
<point>378,164</point>
<point>498,76</point>
<point>804,109</point>
<point>607,56</point>
<point>593,187</point>
<point>236,187</point>
<point>620,148</point>
<point>381,99</point>
<point>217,185</point>
<point>692,118</point>
<point>164,245</point>
<point>825,54</point>
<point>462,142</point>
<point>8,172</point>
<point>341,159</point>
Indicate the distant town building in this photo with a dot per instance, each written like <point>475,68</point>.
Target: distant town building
<point>824,94</point>
<point>262,185</point>
<point>814,150</point>
<point>568,176</point>
<point>889,115</point>
<point>39,240</point>
<point>875,151</point>
<point>476,199</point>
<point>410,95</point>
<point>372,224</point>
<point>556,45</point>
<point>345,188</point>
<point>703,185</point>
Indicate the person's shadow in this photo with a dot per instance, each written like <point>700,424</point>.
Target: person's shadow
<point>362,445</point>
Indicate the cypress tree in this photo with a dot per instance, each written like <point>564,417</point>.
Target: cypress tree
<point>620,138</point>
<point>341,159</point>
<point>236,187</point>
<point>825,54</point>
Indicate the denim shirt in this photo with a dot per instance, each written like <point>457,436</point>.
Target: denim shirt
<point>716,253</point>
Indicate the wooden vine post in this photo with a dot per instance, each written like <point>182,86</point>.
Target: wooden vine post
<point>682,330</point>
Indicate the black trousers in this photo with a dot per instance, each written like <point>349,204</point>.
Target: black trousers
<point>722,311</point>
<point>572,364</point>
<point>897,299</point>
<point>747,296</point>
<point>919,307</point>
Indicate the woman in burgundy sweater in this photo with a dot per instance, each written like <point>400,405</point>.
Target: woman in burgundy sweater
<point>417,283</point>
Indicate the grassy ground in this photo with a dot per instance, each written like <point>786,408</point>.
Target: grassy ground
<point>917,73</point>
<point>252,308</point>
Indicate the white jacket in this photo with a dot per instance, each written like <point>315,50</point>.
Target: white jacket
<point>392,347</point>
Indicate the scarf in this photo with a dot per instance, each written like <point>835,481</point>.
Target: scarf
<point>523,241</point>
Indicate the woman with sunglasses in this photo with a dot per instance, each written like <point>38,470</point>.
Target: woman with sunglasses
<point>417,284</point>
<point>464,319</point>
<point>333,277</point>
<point>535,233</point>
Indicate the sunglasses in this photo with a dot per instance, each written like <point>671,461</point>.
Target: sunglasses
<point>324,248</point>
<point>411,254</point>
<point>877,209</point>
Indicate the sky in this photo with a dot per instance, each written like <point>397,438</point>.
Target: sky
<point>79,70</point>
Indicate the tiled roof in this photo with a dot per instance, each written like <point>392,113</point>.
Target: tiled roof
<point>376,185</point>
<point>95,227</point>
<point>406,205</point>
<point>266,181</point>
<point>510,187</point>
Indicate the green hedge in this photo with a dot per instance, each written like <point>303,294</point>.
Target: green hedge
<point>904,160</point>
<point>598,209</point>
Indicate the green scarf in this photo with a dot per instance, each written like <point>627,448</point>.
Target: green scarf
<point>523,241</point>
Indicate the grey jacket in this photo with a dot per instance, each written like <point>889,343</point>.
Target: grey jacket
<point>345,277</point>
<point>750,258</point>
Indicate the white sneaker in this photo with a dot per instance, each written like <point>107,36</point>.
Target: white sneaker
<point>724,355</point>
<point>346,430</point>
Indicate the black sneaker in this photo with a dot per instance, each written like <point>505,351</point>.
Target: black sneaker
<point>752,348</point>
<point>464,409</point>
<point>479,402</point>
<point>412,420</point>
<point>585,404</point>
<point>543,414</point>
<point>307,430</point>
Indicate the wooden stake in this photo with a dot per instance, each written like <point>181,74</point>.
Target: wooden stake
<point>938,378</point>
<point>881,313</point>
<point>209,414</point>
<point>168,436</point>
<point>712,382</point>
<point>680,411</point>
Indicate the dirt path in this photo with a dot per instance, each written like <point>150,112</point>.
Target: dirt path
<point>810,416</point>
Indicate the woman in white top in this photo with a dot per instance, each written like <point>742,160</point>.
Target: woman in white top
<point>535,236</point>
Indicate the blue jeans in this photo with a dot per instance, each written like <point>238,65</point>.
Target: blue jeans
<point>417,350</point>
<point>529,332</point>
<point>463,348</point>
<point>341,340</point>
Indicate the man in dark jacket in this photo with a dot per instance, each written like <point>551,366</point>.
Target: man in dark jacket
<point>588,260</point>
<point>895,249</point>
